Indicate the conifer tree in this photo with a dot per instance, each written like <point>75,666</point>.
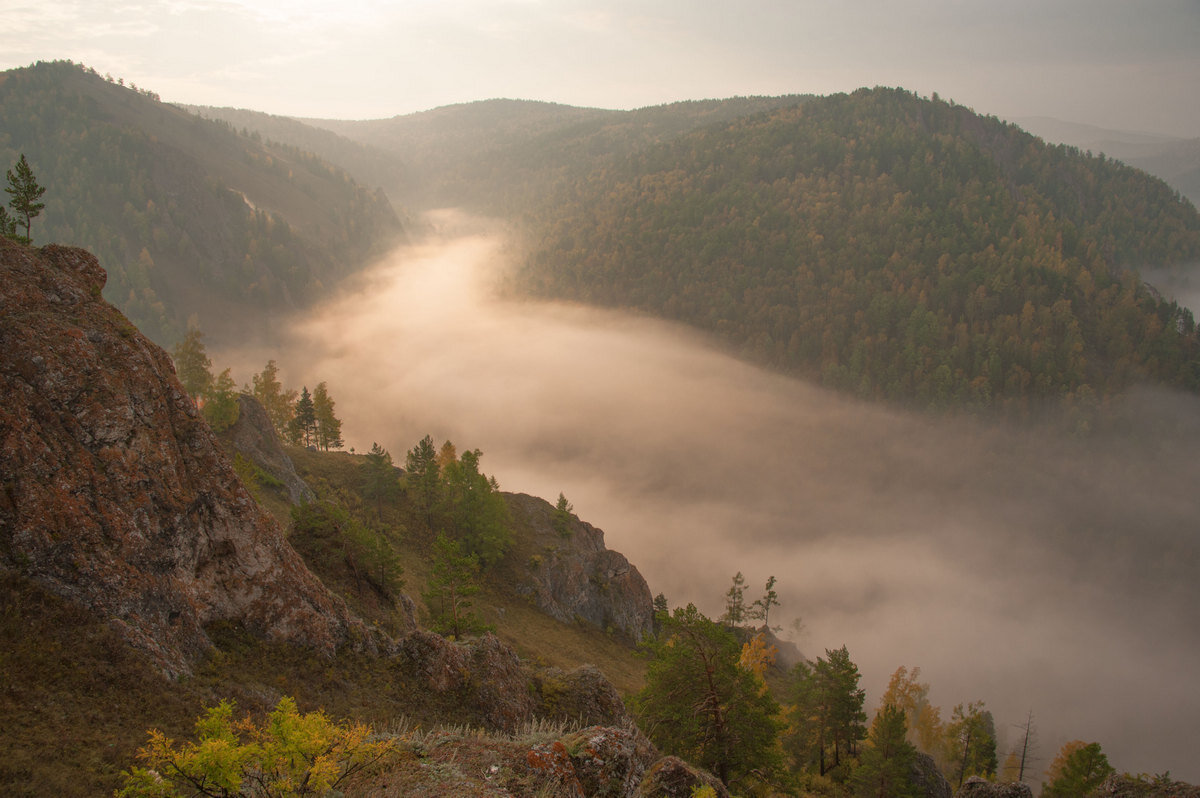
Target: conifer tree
<point>422,477</point>
<point>8,224</point>
<point>379,481</point>
<point>827,712</point>
<point>328,425</point>
<point>221,409</point>
<point>452,582</point>
<point>701,705</point>
<point>473,509</point>
<point>192,364</point>
<point>735,601</point>
<point>562,516</point>
<point>302,429</point>
<point>25,193</point>
<point>762,607</point>
<point>886,764</point>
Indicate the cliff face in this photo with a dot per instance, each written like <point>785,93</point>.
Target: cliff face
<point>575,577</point>
<point>115,494</point>
<point>254,437</point>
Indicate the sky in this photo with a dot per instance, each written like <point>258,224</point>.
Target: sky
<point>1124,65</point>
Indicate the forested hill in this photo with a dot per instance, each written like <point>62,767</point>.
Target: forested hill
<point>187,216</point>
<point>894,247</point>
<point>502,157</point>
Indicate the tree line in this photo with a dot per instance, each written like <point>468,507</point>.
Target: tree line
<point>707,699</point>
<point>302,419</point>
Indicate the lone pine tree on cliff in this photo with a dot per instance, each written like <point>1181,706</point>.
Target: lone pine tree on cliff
<point>25,193</point>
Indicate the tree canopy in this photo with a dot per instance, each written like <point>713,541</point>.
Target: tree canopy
<point>699,703</point>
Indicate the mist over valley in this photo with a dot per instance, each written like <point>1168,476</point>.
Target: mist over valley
<point>1018,565</point>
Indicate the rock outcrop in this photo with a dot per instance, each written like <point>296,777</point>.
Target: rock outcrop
<point>976,787</point>
<point>253,435</point>
<point>926,777</point>
<point>572,576</point>
<point>114,491</point>
<point>1125,786</point>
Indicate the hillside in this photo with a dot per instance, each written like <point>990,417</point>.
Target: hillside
<point>893,247</point>
<point>140,582</point>
<point>503,157</point>
<point>189,218</point>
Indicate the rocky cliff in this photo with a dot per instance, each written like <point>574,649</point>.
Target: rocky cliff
<point>115,494</point>
<point>254,436</point>
<point>572,575</point>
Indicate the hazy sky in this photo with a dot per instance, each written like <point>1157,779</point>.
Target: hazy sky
<point>1131,65</point>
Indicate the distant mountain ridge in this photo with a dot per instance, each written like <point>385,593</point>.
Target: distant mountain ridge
<point>191,220</point>
<point>1176,160</point>
<point>891,246</point>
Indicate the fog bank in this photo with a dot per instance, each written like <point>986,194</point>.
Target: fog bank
<point>1012,567</point>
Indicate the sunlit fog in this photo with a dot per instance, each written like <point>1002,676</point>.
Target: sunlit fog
<point>1031,572</point>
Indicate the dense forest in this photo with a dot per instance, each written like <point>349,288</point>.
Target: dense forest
<point>894,247</point>
<point>186,215</point>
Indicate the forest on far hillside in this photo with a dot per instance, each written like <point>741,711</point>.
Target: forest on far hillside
<point>186,215</point>
<point>893,247</point>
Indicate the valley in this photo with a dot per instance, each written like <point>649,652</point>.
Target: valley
<point>996,557</point>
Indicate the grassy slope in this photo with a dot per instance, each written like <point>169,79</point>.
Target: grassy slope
<point>536,637</point>
<point>76,701</point>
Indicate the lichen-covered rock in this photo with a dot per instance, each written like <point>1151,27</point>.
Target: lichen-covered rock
<point>499,685</point>
<point>1125,786</point>
<point>976,787</point>
<point>575,577</point>
<point>551,763</point>
<point>583,694</point>
<point>485,674</point>
<point>926,777</point>
<point>671,777</point>
<point>115,494</point>
<point>610,762</point>
<point>254,436</point>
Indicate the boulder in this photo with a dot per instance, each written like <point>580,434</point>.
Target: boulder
<point>671,777</point>
<point>610,761</point>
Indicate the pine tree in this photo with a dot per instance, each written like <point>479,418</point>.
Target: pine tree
<point>473,509</point>
<point>422,477</point>
<point>562,516</point>
<point>379,480</point>
<point>221,408</point>
<point>885,766</point>
<point>762,607</point>
<point>8,224</point>
<point>302,429</point>
<point>453,580</point>
<point>1078,769</point>
<point>735,601</point>
<point>192,364</point>
<point>329,426</point>
<point>25,193</point>
<point>699,704</point>
<point>827,712</point>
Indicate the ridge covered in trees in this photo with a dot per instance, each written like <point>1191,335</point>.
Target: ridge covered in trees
<point>187,216</point>
<point>892,247</point>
